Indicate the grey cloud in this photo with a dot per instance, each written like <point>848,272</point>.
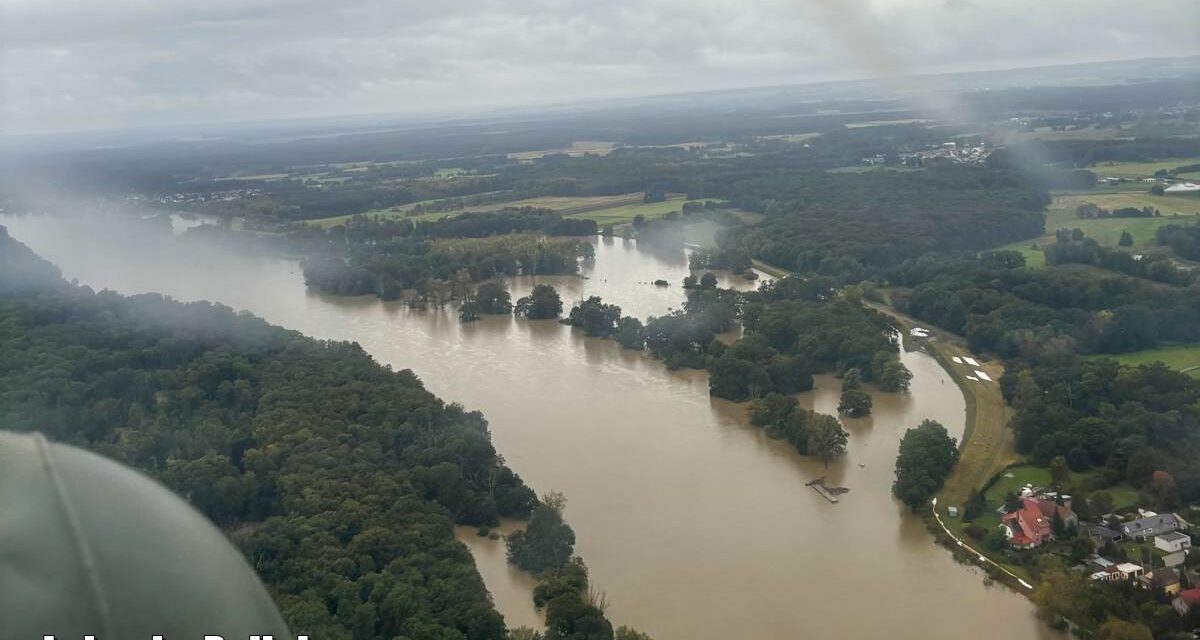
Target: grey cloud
<point>70,64</point>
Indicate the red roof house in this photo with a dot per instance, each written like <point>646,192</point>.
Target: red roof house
<point>1029,526</point>
<point>1186,601</point>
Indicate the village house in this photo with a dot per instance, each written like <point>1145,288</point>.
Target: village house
<point>1162,580</point>
<point>1150,525</point>
<point>1175,547</point>
<point>1130,571</point>
<point>1033,524</point>
<point>1186,601</point>
<point>1173,541</point>
<point>1101,568</point>
<point>1101,534</point>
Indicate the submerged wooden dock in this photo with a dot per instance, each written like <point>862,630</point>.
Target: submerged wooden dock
<point>829,493</point>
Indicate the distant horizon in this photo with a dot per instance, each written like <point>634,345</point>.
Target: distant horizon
<point>464,115</point>
<point>69,67</point>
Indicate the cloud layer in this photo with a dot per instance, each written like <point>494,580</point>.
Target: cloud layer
<point>82,64</point>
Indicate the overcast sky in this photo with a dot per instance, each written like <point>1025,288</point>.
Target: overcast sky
<point>97,64</point>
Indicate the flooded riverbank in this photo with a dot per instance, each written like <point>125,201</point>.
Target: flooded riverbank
<point>695,524</point>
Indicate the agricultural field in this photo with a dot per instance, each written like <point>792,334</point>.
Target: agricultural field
<point>577,148</point>
<point>1135,170</point>
<point>791,137</point>
<point>872,168</point>
<point>605,210</point>
<point>1184,358</point>
<point>886,123</point>
<point>1090,133</point>
<point>625,213</point>
<point>1107,231</point>
<point>1061,215</point>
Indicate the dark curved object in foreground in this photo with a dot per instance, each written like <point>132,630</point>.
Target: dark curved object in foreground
<point>89,547</point>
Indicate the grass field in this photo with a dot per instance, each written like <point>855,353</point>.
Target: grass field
<point>885,123</point>
<point>791,137</point>
<point>1183,358</point>
<point>1140,169</point>
<point>1124,496</point>
<point>1061,215</point>
<point>1090,133</point>
<point>1107,231</point>
<point>867,168</point>
<point>605,210</point>
<point>577,148</point>
<point>625,213</point>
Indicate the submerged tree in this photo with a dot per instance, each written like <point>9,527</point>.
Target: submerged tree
<point>542,303</point>
<point>891,374</point>
<point>630,333</point>
<point>855,403</point>
<point>547,542</point>
<point>493,298</point>
<point>927,455</point>
<point>826,438</point>
<point>595,317</point>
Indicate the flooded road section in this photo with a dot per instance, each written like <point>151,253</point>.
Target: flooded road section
<point>695,524</point>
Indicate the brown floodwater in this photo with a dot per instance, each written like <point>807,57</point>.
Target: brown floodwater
<point>694,524</point>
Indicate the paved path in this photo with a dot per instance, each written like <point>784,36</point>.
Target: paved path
<point>979,556</point>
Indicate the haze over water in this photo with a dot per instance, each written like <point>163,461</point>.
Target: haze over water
<point>695,524</point>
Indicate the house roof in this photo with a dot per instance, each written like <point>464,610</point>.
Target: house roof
<point>1050,507</point>
<point>1029,520</point>
<point>1164,577</point>
<point>1104,532</point>
<point>1150,522</point>
<point>1128,567</point>
<point>1173,536</point>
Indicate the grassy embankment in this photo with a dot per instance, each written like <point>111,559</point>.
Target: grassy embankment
<point>987,447</point>
<point>987,444</point>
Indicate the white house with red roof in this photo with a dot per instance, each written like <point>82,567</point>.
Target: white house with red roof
<point>1033,524</point>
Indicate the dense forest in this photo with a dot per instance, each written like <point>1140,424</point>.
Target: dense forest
<point>340,479</point>
<point>1010,310</point>
<point>850,227</point>
<point>1128,422</point>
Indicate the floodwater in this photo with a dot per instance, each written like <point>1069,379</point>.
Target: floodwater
<point>695,524</point>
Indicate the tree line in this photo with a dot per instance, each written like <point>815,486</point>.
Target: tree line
<point>340,479</point>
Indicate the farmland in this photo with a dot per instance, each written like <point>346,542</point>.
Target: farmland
<point>605,210</point>
<point>1061,215</point>
<point>1134,170</point>
<point>1107,231</point>
<point>578,148</point>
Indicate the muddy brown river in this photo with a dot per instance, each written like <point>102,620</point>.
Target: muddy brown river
<point>695,524</point>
